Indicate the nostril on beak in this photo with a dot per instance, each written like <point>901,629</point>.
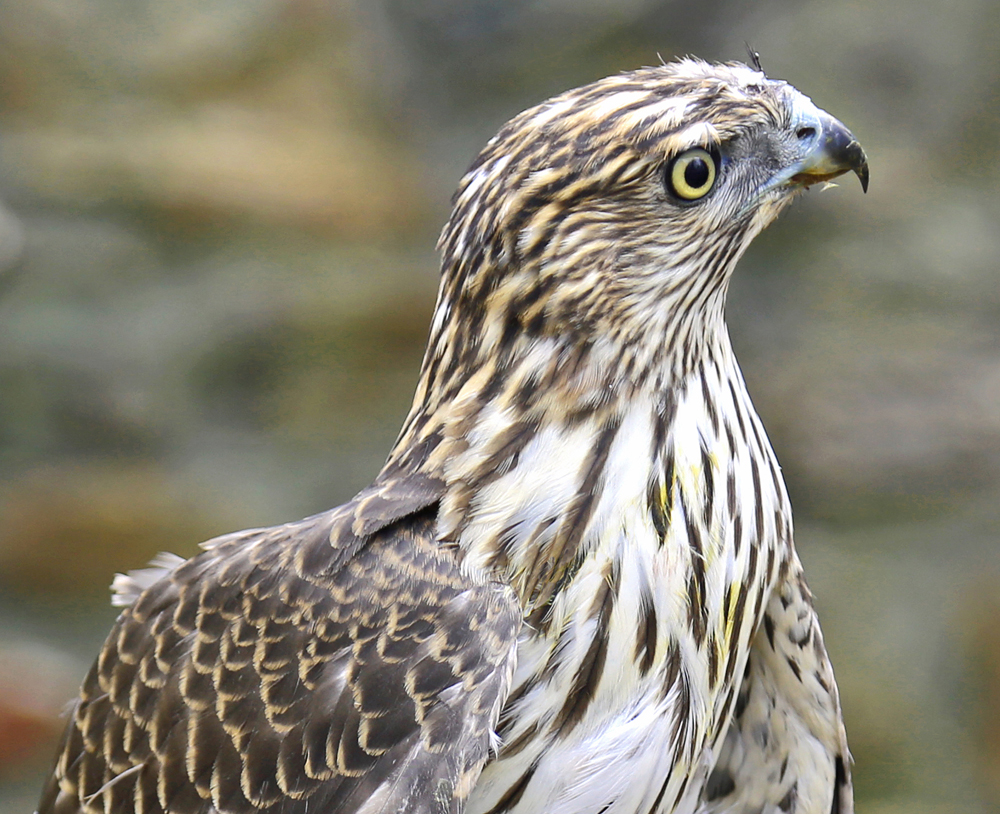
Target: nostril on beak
<point>805,132</point>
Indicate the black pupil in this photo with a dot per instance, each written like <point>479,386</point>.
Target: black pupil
<point>696,173</point>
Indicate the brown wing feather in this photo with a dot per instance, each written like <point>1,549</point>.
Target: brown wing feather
<point>293,669</point>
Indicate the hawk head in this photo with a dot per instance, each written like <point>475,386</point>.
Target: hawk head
<point>591,242</point>
<point>629,197</point>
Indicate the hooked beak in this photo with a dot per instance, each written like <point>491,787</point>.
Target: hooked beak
<point>828,148</point>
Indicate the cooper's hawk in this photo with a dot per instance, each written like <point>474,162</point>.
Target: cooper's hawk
<point>572,588</point>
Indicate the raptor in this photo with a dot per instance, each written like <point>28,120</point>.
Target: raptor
<point>572,588</point>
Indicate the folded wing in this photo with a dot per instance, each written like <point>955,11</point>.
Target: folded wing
<point>300,668</point>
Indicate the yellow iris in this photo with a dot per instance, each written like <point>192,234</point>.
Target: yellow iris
<point>692,174</point>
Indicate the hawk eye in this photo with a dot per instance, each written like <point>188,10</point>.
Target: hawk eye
<point>692,174</point>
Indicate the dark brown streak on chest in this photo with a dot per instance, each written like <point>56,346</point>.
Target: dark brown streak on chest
<point>736,624</point>
<point>713,414</point>
<point>588,675</point>
<point>514,794</point>
<point>646,633</point>
<point>758,500</point>
<point>697,607</point>
<point>709,476</point>
<point>551,563</point>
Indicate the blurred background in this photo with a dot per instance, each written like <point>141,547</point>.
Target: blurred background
<point>217,272</point>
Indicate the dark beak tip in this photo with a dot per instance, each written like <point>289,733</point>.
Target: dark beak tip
<point>862,173</point>
<point>841,150</point>
<point>853,156</point>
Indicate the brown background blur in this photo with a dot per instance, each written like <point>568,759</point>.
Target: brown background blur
<point>217,272</point>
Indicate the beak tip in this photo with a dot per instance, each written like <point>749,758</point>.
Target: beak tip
<point>830,149</point>
<point>862,173</point>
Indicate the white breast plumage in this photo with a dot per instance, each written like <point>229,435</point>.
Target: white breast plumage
<point>650,635</point>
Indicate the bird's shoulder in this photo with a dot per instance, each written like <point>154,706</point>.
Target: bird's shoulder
<point>308,664</point>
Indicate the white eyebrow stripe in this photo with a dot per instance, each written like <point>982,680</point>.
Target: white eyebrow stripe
<point>696,135</point>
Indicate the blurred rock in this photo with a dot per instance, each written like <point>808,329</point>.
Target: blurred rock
<point>273,130</point>
<point>910,430</point>
<point>872,354</point>
<point>981,645</point>
<point>11,247</point>
<point>895,600</point>
<point>68,532</point>
<point>225,160</point>
<point>35,682</point>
